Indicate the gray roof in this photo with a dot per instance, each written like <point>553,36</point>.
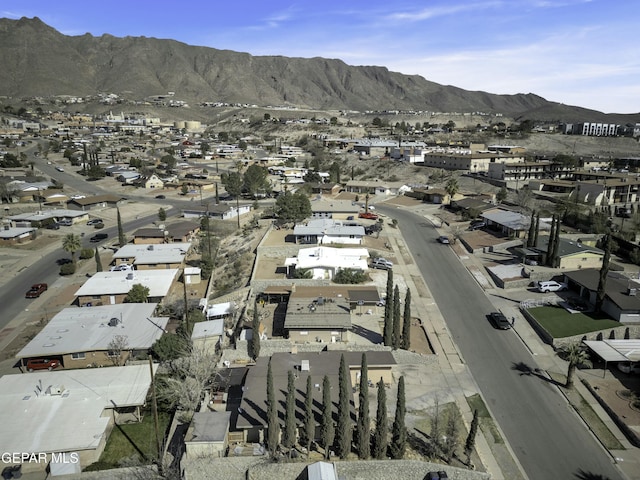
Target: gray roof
<point>253,407</point>
<point>145,254</point>
<point>616,287</point>
<point>209,427</point>
<point>77,329</point>
<point>566,247</point>
<point>303,313</point>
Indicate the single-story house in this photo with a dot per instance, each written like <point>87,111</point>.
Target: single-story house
<point>46,217</point>
<point>572,254</point>
<point>147,236</point>
<point>96,201</point>
<point>508,222</point>
<point>325,262</point>
<point>376,187</point>
<point>98,336</point>
<point>327,231</point>
<point>16,235</point>
<point>333,208</point>
<point>72,411</point>
<point>252,416</point>
<point>109,288</point>
<point>317,319</point>
<point>192,275</point>
<point>149,182</point>
<point>152,256</point>
<point>182,231</point>
<point>128,177</point>
<point>621,301</point>
<point>220,212</point>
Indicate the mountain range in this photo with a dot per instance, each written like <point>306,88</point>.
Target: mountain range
<point>37,60</point>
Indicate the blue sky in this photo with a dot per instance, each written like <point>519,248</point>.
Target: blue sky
<point>578,52</point>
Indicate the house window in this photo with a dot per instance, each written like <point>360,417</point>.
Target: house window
<point>304,333</point>
<point>335,333</point>
<point>78,356</point>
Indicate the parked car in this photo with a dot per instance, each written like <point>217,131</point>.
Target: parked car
<point>368,215</point>
<point>36,290</point>
<point>629,367</point>
<point>477,224</point>
<point>160,197</point>
<point>350,217</point>
<point>65,222</point>
<point>98,237</point>
<point>123,267</point>
<point>93,221</point>
<point>551,286</point>
<point>60,169</point>
<point>499,321</point>
<point>98,225</point>
<point>54,226</point>
<point>382,264</point>
<point>42,364</point>
<point>437,476</point>
<point>443,239</point>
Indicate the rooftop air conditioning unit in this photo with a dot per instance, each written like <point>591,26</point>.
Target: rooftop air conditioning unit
<point>55,390</point>
<point>113,322</point>
<point>130,276</point>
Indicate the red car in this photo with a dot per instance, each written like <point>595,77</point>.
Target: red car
<point>36,290</point>
<point>42,364</point>
<point>368,215</point>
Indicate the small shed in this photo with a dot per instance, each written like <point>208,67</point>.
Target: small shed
<point>192,275</point>
<point>322,471</point>
<point>207,434</point>
<point>208,335</point>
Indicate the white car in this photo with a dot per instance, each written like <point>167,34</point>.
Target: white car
<point>551,286</point>
<point>123,267</point>
<point>628,367</point>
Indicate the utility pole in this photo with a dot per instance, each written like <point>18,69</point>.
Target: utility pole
<point>238,210</point>
<point>156,424</point>
<point>186,303</point>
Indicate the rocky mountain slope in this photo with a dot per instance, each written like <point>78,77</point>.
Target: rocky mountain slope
<point>38,60</point>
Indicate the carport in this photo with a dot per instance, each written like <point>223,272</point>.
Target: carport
<point>615,350</point>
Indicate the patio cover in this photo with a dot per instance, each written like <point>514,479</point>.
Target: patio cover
<point>615,350</point>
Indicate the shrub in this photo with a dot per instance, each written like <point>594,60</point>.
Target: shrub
<point>87,253</point>
<point>350,276</point>
<point>68,269</point>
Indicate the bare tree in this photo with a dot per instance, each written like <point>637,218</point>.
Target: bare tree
<point>116,347</point>
<point>189,375</point>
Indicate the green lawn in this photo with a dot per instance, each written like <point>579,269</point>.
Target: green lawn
<point>560,323</point>
<point>130,441</point>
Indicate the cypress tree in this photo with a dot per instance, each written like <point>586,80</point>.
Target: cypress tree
<point>406,324</point>
<point>326,428</point>
<point>380,436</point>
<point>344,430</point>
<point>537,230</point>
<point>399,430</point>
<point>273,427</point>
<point>96,256</point>
<point>388,311</point>
<point>289,437</point>
<point>604,271</point>
<point>254,344</point>
<point>364,428</point>
<point>397,321</point>
<point>532,230</point>
<point>309,420</point>
<point>121,238</point>
<point>556,243</point>
<point>470,443</point>
<point>552,237</point>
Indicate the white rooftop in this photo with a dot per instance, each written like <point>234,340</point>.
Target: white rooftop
<point>36,421</point>
<point>209,328</point>
<point>616,350</point>
<point>145,254</point>
<point>113,283</point>
<point>328,257</point>
<point>219,309</point>
<point>14,232</point>
<point>45,214</point>
<point>85,329</point>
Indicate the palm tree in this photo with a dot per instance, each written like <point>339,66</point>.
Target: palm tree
<point>71,244</point>
<point>576,355</point>
<point>452,187</point>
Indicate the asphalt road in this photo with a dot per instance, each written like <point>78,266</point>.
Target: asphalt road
<point>545,434</point>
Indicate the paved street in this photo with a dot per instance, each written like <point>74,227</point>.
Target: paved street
<point>546,436</point>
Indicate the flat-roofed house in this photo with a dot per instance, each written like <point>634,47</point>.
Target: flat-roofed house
<point>109,288</point>
<point>317,319</point>
<point>99,336</point>
<point>152,256</point>
<point>326,231</point>
<point>325,262</point>
<point>68,412</point>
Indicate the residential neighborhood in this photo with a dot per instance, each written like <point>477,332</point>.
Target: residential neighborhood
<point>237,302</point>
